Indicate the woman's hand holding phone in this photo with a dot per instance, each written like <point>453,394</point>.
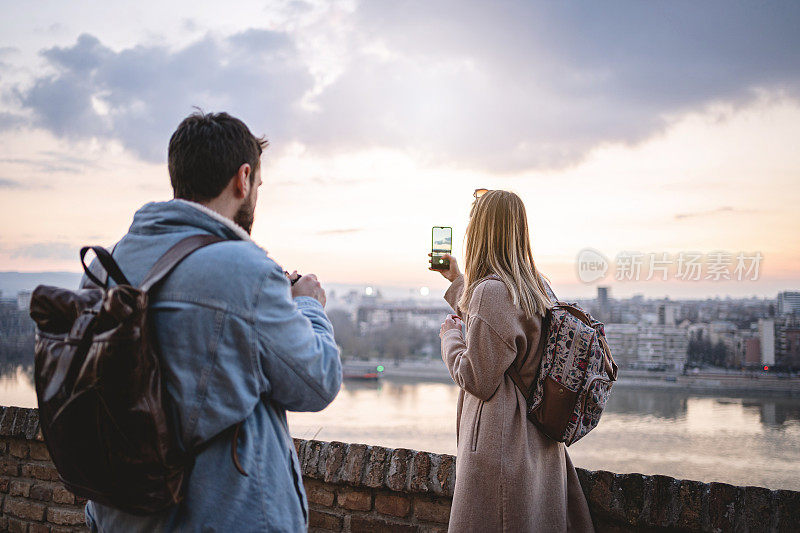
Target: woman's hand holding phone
<point>451,273</point>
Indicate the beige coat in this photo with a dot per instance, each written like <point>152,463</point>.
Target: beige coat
<point>509,476</point>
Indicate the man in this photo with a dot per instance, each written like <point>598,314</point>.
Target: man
<point>237,341</point>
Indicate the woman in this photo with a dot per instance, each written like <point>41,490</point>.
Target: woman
<point>509,475</point>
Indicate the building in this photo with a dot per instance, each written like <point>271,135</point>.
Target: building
<point>662,347</point>
<point>752,351</point>
<point>788,302</point>
<point>623,339</point>
<point>787,342</point>
<point>766,336</point>
<point>667,314</point>
<point>23,300</point>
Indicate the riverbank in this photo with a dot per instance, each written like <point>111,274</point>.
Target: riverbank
<point>754,384</point>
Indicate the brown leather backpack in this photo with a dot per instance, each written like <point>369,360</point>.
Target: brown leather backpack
<point>99,386</point>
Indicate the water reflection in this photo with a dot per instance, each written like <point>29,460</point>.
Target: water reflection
<point>655,403</point>
<point>744,441</point>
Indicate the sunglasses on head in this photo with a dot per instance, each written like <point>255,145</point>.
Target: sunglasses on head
<point>479,192</point>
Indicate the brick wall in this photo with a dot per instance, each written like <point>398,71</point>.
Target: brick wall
<point>31,497</point>
<point>354,487</point>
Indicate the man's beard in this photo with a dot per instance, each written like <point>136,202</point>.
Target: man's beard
<point>246,215</point>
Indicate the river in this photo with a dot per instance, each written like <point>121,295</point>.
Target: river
<point>742,441</point>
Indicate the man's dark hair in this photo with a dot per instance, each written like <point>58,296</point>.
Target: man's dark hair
<point>206,151</point>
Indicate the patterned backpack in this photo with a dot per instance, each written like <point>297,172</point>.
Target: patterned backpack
<point>576,371</point>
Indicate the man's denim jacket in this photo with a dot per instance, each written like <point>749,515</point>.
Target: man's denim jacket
<point>234,346</point>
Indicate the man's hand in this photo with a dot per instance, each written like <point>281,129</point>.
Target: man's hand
<point>451,273</point>
<point>308,285</point>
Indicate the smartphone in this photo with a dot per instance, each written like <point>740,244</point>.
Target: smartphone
<point>441,243</point>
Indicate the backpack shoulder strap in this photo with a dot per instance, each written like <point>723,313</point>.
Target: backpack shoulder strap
<point>513,370</point>
<point>175,255</point>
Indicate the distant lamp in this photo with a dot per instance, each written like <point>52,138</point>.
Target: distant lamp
<point>368,291</point>
<point>424,291</point>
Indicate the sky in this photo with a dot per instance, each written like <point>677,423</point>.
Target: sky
<point>625,127</point>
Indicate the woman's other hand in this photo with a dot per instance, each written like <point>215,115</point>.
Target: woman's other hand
<point>451,322</point>
<point>451,273</point>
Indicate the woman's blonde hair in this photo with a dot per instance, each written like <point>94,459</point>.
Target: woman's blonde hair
<point>498,243</point>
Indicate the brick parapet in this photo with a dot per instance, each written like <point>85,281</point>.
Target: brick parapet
<point>356,487</point>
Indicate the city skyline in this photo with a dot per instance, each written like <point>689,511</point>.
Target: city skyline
<point>381,126</point>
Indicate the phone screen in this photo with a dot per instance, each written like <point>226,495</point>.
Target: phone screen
<point>441,243</point>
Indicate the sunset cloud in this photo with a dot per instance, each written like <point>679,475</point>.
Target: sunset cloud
<point>505,87</point>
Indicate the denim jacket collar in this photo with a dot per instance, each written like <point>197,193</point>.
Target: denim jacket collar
<point>233,226</point>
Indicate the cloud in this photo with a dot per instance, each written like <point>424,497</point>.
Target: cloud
<point>502,86</point>
<point>139,95</point>
<point>45,250</point>
<point>9,184</point>
<point>48,162</point>
<point>341,231</point>
<point>10,121</point>
<point>711,212</point>
<point>538,84</point>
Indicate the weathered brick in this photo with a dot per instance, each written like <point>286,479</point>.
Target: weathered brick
<point>431,510</point>
<point>445,476</point>
<point>722,506</point>
<point>317,493</point>
<point>334,460</point>
<point>65,517</point>
<point>399,462</point>
<point>38,528</point>
<point>432,529</point>
<point>662,495</point>
<point>311,459</point>
<point>7,420</point>
<point>354,464</point>
<point>9,467</point>
<point>62,495</point>
<point>629,492</point>
<point>354,499</point>
<point>45,472</point>
<point>757,508</point>
<point>368,524</point>
<point>320,520</point>
<point>24,509</point>
<point>376,467</point>
<point>599,497</point>
<point>66,529</point>
<point>393,503</point>
<point>787,508</point>
<point>41,492</point>
<point>4,482</point>
<point>19,488</point>
<point>18,448</point>
<point>31,427</point>
<point>38,451</point>
<point>690,505</point>
<point>421,472</point>
<point>17,526</point>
